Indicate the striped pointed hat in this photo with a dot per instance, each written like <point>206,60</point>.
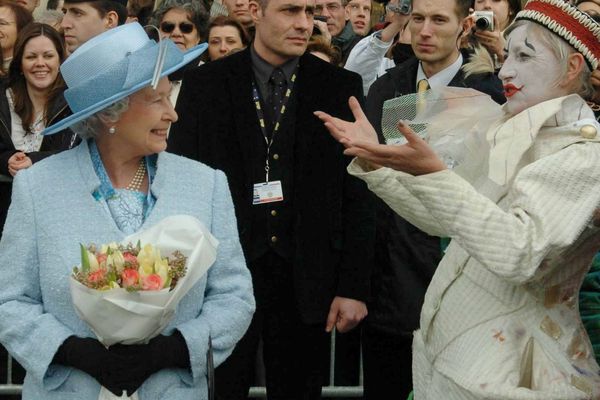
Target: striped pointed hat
<point>568,22</point>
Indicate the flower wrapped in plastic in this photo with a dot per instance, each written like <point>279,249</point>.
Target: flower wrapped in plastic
<point>128,292</point>
<point>453,120</point>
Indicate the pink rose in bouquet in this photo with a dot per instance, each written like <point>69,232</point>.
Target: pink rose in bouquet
<point>130,277</point>
<point>152,282</point>
<point>97,276</point>
<point>131,259</point>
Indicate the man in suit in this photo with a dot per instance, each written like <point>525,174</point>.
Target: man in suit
<point>306,227</point>
<point>406,257</point>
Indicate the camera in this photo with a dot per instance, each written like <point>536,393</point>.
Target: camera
<point>484,20</point>
<point>403,7</point>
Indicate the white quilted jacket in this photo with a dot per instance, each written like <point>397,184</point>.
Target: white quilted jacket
<point>500,318</point>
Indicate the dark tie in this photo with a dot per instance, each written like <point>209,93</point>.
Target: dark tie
<point>278,85</point>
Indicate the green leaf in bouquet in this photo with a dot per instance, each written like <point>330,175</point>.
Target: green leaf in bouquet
<point>138,246</point>
<point>111,276</point>
<point>85,260</point>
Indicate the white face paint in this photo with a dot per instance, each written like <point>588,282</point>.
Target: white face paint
<point>530,72</point>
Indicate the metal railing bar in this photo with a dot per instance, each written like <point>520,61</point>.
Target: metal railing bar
<point>9,366</point>
<point>327,391</point>
<point>256,392</point>
<point>11,389</point>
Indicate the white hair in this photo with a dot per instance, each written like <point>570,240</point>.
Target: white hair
<point>92,126</point>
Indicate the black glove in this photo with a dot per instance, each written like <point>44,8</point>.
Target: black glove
<point>91,357</point>
<point>146,359</point>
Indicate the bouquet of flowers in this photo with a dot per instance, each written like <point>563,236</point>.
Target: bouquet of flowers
<point>128,267</point>
<point>129,293</point>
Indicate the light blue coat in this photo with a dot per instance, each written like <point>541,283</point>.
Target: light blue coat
<point>52,211</point>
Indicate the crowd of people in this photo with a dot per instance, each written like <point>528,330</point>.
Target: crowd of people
<point>470,276</point>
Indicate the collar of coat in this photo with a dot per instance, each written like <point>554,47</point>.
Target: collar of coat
<point>562,118</point>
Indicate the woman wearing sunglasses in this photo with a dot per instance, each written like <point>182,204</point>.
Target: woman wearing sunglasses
<point>182,21</point>
<point>185,22</point>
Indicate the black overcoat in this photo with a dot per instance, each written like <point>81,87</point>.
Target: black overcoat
<point>333,213</point>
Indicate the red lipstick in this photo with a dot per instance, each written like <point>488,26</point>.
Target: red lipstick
<point>510,89</point>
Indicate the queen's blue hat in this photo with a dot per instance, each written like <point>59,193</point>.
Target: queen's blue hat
<point>114,65</point>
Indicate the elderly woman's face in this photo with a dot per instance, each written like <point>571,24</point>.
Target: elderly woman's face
<point>530,73</point>
<point>143,127</point>
<point>177,26</point>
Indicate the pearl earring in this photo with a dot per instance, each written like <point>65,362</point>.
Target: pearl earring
<point>112,130</point>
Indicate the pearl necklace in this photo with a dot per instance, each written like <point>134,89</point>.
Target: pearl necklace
<point>138,179</point>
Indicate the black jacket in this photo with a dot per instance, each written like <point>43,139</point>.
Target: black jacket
<point>406,257</point>
<point>331,213</point>
<point>50,145</point>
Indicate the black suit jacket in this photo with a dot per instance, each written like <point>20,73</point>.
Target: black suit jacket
<point>333,214</point>
<point>406,257</point>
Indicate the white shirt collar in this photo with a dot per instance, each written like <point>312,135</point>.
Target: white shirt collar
<point>442,78</point>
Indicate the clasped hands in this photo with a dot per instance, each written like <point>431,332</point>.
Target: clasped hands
<point>360,140</point>
<point>123,367</point>
<point>18,161</point>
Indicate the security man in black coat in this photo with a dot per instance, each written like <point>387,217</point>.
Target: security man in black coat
<point>306,226</point>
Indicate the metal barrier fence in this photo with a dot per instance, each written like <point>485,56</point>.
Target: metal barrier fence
<point>258,392</point>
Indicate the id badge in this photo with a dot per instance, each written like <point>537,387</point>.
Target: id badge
<point>267,192</point>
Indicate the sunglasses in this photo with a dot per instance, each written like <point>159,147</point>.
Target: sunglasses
<point>184,27</point>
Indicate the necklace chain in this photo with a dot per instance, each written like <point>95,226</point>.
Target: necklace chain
<point>138,179</point>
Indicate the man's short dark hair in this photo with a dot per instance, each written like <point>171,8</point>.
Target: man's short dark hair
<point>105,6</point>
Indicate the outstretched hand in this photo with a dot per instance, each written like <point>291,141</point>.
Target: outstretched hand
<point>350,132</point>
<point>360,140</point>
<point>415,157</point>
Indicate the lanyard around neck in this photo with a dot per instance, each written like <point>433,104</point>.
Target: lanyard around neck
<point>277,123</point>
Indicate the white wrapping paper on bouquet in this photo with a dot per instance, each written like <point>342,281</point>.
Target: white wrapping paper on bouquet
<point>119,316</point>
